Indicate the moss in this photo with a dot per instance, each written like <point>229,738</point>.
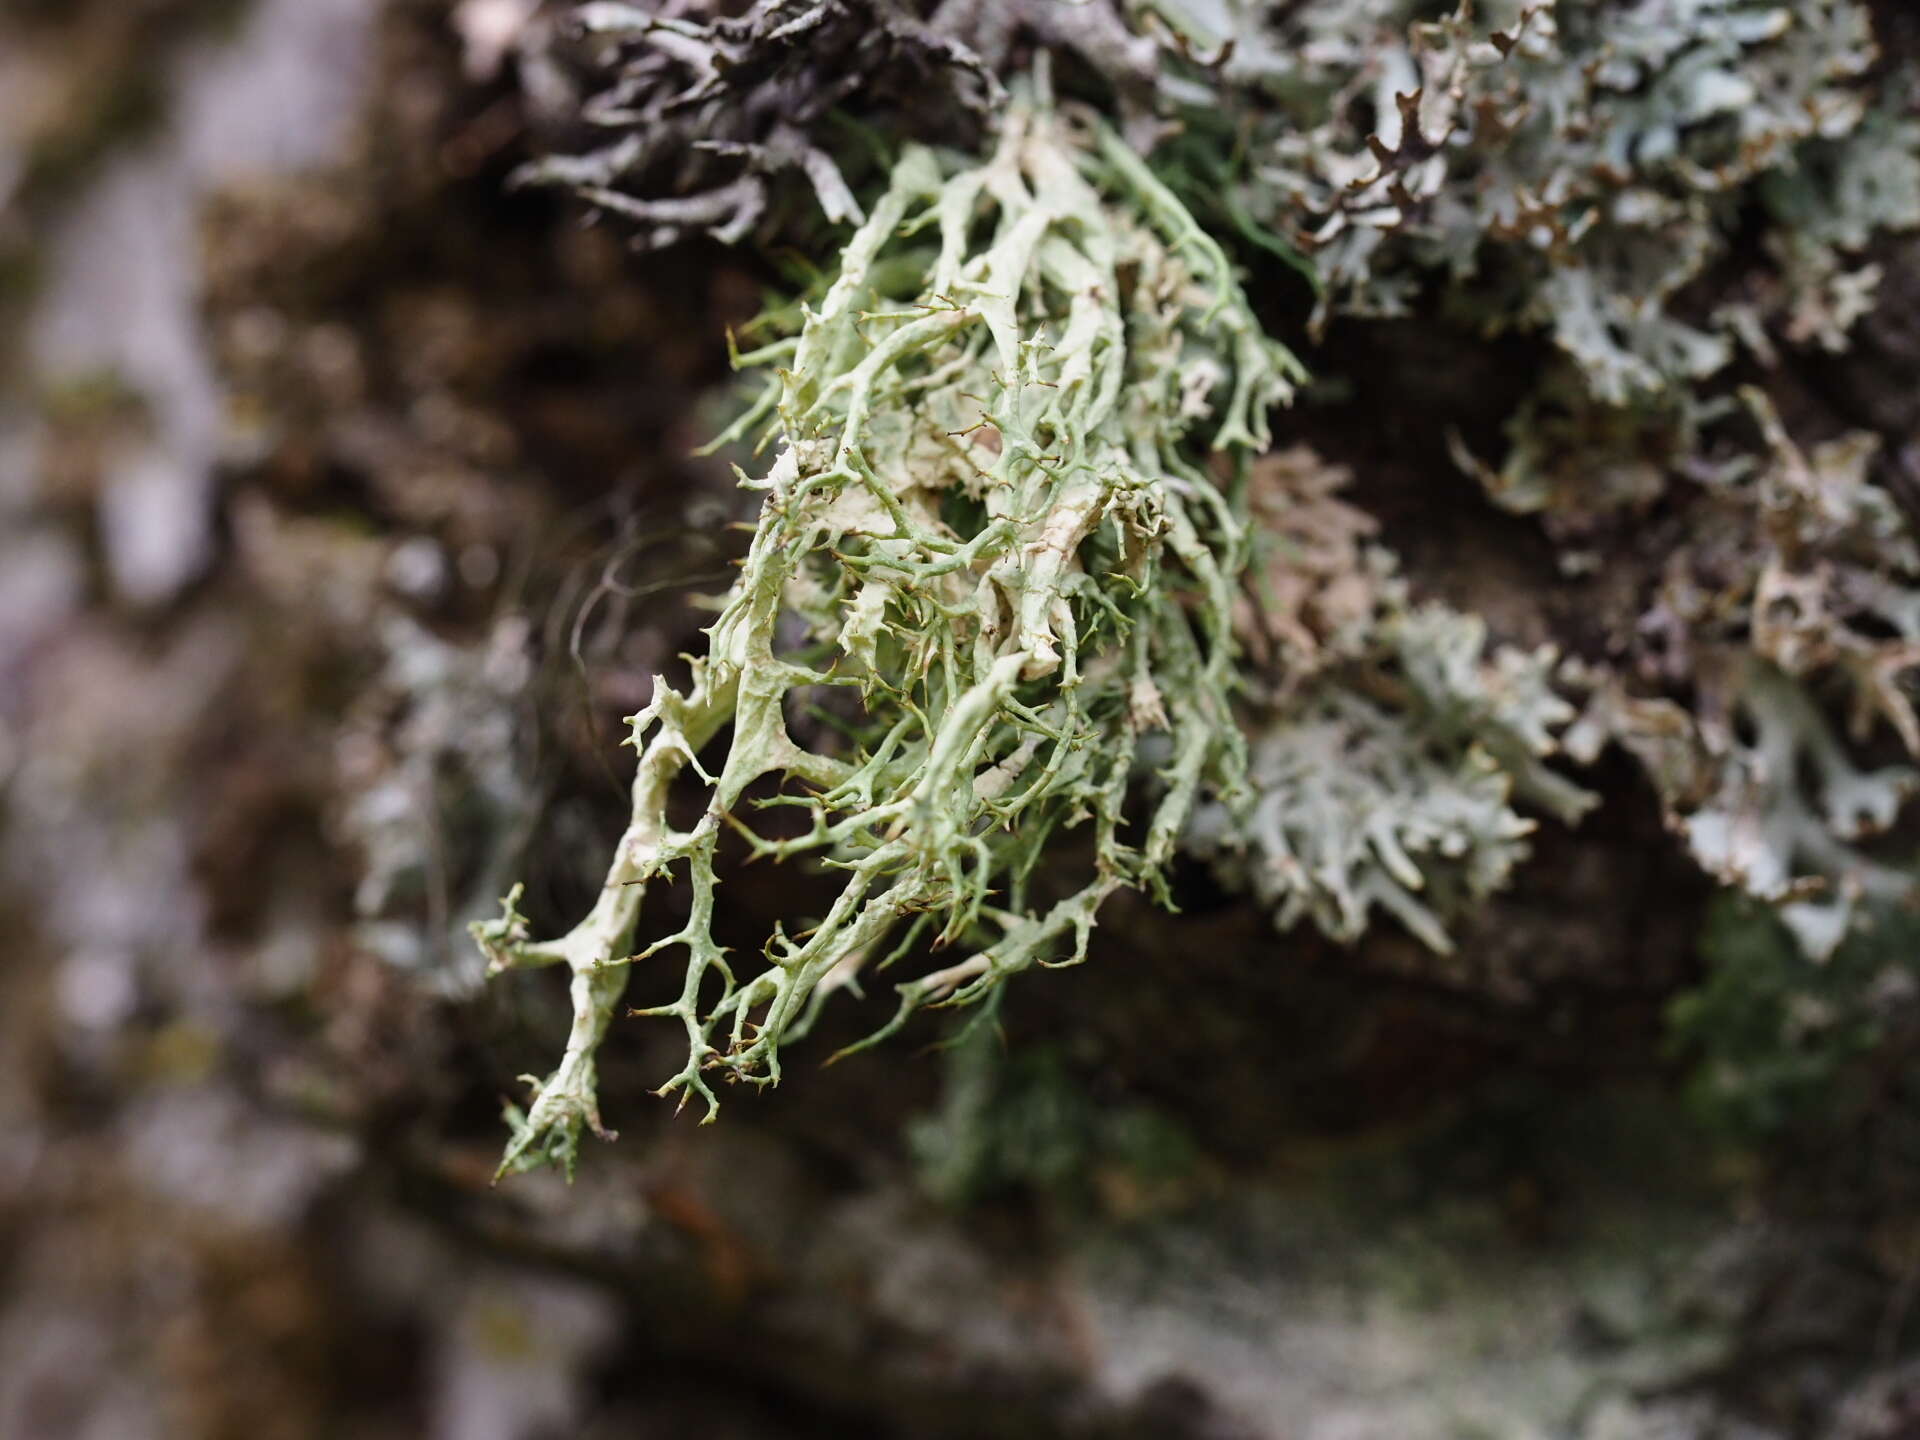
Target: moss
<point>1773,1039</point>
<point>1026,1121</point>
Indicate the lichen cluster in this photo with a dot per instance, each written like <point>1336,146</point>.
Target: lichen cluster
<point>711,117</point>
<point>1571,169</point>
<point>1661,188</point>
<point>1389,743</point>
<point>995,552</point>
<point>1796,593</point>
<point>999,588</point>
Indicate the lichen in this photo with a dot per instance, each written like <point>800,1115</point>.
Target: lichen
<point>712,116</point>
<point>1557,168</point>
<point>1798,588</point>
<point>1390,742</point>
<point>994,549</point>
<point>994,590</point>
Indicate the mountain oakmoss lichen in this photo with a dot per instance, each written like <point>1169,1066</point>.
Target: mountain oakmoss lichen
<point>992,513</point>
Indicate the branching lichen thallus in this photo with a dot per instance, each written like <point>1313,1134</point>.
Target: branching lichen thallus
<point>993,519</point>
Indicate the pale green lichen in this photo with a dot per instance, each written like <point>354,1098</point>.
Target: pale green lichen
<point>1801,588</point>
<point>1567,168</point>
<point>993,590</point>
<point>1390,742</point>
<point>1579,460</point>
<point>993,546</point>
<point>1360,807</point>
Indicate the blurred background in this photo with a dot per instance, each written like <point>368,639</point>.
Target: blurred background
<point>345,506</point>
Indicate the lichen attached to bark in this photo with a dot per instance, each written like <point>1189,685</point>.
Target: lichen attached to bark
<point>1000,542</point>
